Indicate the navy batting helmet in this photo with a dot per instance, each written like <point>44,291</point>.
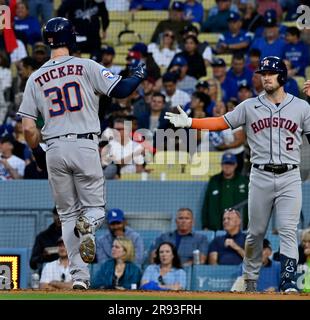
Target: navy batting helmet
<point>275,65</point>
<point>59,32</point>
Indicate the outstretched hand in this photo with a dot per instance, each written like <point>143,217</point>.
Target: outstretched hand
<point>306,88</point>
<point>179,120</point>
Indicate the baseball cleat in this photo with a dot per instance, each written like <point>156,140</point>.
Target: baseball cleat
<point>80,284</point>
<point>289,287</point>
<point>250,285</point>
<point>87,240</point>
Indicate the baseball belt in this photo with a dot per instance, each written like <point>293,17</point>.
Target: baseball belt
<point>89,136</point>
<point>275,168</point>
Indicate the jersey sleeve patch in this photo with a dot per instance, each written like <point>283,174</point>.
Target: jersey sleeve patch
<point>108,74</point>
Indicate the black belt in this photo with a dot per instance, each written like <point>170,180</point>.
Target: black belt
<point>89,136</point>
<point>275,168</point>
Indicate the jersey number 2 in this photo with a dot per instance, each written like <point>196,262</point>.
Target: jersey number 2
<point>289,143</point>
<point>62,101</point>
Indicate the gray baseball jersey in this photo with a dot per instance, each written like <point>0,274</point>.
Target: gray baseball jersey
<point>274,135</point>
<point>273,132</point>
<point>62,91</point>
<point>65,91</point>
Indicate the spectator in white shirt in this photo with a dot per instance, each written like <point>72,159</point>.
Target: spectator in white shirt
<point>11,167</point>
<point>173,95</point>
<point>55,274</point>
<point>164,52</point>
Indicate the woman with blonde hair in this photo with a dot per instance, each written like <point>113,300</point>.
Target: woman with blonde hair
<point>165,50</point>
<point>119,272</point>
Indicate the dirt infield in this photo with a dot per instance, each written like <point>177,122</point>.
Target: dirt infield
<point>146,295</point>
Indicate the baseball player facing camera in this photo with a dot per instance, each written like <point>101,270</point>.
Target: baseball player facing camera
<point>65,91</point>
<point>274,122</point>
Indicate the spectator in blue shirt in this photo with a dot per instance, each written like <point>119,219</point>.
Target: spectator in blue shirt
<point>166,272</point>
<point>238,72</point>
<point>119,272</point>
<point>149,4</point>
<point>217,22</point>
<point>27,28</point>
<point>184,238</point>
<point>296,52</point>
<point>235,39</point>
<point>193,11</point>
<point>291,86</point>
<point>270,16</point>
<point>229,248</point>
<point>270,44</point>
<point>117,227</point>
<point>229,88</point>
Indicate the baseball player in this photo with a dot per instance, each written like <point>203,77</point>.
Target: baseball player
<point>274,122</point>
<point>65,91</point>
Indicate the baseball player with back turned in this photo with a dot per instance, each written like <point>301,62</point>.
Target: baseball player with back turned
<point>274,122</point>
<point>65,91</point>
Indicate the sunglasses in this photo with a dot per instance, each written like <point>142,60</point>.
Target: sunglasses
<point>161,280</point>
<point>169,35</point>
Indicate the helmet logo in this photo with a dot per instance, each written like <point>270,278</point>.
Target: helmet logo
<point>50,40</point>
<point>266,63</point>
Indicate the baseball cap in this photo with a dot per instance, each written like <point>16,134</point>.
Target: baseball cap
<point>40,47</point>
<point>179,61</point>
<point>233,16</point>
<point>59,240</point>
<point>229,158</point>
<point>270,18</point>
<point>219,62</point>
<point>202,83</point>
<point>190,28</point>
<point>244,86</point>
<point>266,244</point>
<point>177,5</point>
<point>139,47</point>
<point>134,55</point>
<point>7,138</point>
<point>115,215</point>
<point>108,50</point>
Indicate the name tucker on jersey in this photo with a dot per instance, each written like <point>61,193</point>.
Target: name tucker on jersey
<point>59,72</point>
<point>275,123</point>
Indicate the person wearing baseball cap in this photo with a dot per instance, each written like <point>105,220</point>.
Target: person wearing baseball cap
<point>235,39</point>
<point>117,226</point>
<point>175,22</point>
<point>179,65</point>
<point>106,58</point>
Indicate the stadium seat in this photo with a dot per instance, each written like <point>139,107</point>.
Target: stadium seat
<point>172,157</point>
<point>214,277</point>
<point>120,59</point>
<point>209,233</point>
<point>308,72</point>
<point>123,16</point>
<point>289,23</point>
<point>208,4</point>
<point>113,31</point>
<point>300,82</point>
<point>122,49</point>
<point>210,37</point>
<point>150,15</point>
<point>144,28</point>
<point>206,163</point>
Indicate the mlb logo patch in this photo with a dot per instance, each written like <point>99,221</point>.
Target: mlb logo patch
<point>107,74</point>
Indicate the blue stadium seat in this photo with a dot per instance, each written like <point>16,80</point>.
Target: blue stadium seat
<point>214,277</point>
<point>220,233</point>
<point>188,271</point>
<point>148,237</point>
<point>209,233</point>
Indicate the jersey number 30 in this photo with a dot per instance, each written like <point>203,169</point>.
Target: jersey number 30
<point>64,97</point>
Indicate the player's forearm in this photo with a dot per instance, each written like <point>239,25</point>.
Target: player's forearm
<point>212,124</point>
<point>32,137</point>
<point>125,87</point>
